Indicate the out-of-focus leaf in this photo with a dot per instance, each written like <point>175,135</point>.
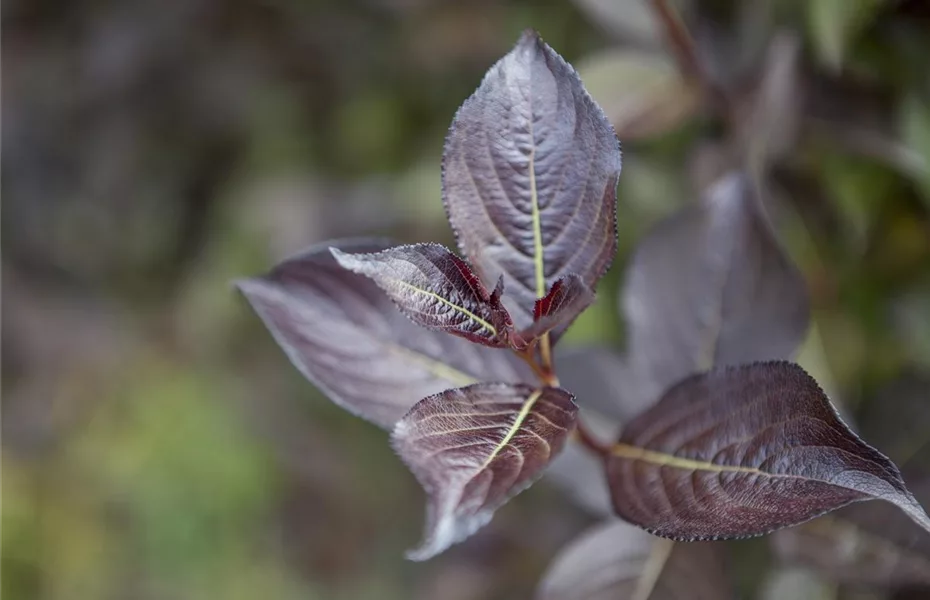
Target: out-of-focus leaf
<point>580,473</point>
<point>642,94</point>
<point>912,321</point>
<point>915,131</point>
<point>897,420</point>
<point>871,544</point>
<point>770,129</point>
<point>833,24</point>
<point>530,172</point>
<point>474,448</point>
<point>567,298</point>
<point>633,19</point>
<point>616,561</point>
<point>796,583</point>
<point>860,189</point>
<point>436,289</point>
<point>346,336</point>
<point>602,380</point>
<point>743,451</point>
<point>708,287</point>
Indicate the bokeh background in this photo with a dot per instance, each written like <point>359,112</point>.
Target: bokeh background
<point>157,444</point>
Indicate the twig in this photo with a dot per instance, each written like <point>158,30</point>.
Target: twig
<point>682,46</point>
<point>586,439</point>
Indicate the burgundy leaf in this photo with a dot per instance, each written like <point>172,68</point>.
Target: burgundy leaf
<point>437,290</point>
<point>710,287</point>
<point>530,173</point>
<point>616,561</point>
<point>567,298</point>
<point>474,448</point>
<point>743,451</point>
<point>346,336</point>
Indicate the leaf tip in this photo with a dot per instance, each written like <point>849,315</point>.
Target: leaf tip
<point>529,36</point>
<point>338,254</point>
<point>347,260</point>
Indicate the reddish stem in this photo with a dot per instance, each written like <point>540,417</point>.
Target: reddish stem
<point>590,442</point>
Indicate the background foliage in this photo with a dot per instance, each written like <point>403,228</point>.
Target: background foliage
<point>156,443</point>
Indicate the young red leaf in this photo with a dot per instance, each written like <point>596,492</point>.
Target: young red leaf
<point>437,290</point>
<point>709,287</point>
<point>567,298</point>
<point>343,334</point>
<point>616,561</point>
<point>474,448</point>
<point>530,173</point>
<point>743,451</point>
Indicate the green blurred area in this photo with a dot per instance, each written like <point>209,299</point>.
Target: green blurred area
<point>157,444</point>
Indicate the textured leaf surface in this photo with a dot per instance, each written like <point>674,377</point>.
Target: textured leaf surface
<point>529,177</point>
<point>345,335</point>
<point>436,289</point>
<point>616,561</point>
<point>709,287</point>
<point>567,298</point>
<point>744,451</point>
<point>474,448</point>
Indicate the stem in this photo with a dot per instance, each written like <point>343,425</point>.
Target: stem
<point>545,352</point>
<point>649,576</point>
<point>527,357</point>
<point>682,46</point>
<point>586,439</point>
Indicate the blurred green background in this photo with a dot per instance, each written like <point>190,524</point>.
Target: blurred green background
<point>157,444</point>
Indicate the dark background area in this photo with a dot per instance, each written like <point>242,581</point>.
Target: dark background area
<point>157,444</point>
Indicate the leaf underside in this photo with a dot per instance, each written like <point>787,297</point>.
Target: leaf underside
<point>743,451</point>
<point>436,289</point>
<point>617,561</point>
<point>346,336</point>
<point>530,171</point>
<point>473,448</point>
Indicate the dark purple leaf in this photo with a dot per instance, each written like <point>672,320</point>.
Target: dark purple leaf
<point>567,298</point>
<point>529,177</point>
<point>743,451</point>
<point>345,335</point>
<point>474,448</point>
<point>710,287</point>
<point>616,561</point>
<point>437,290</point>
